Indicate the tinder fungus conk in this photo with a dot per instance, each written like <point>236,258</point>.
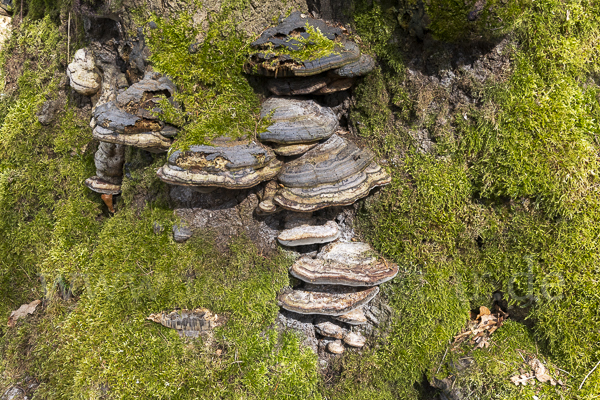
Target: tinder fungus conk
<point>329,329</point>
<point>316,85</point>
<point>334,173</point>
<point>352,264</point>
<point>355,339</point>
<point>232,164</point>
<point>109,159</point>
<point>296,121</point>
<point>132,119</point>
<point>335,347</point>
<point>358,68</point>
<point>354,317</point>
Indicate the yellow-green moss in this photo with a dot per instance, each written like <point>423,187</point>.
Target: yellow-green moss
<point>315,46</point>
<point>510,205</point>
<point>214,94</point>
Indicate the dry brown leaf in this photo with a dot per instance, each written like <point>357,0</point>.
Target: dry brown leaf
<point>522,379</point>
<point>540,372</point>
<point>23,311</point>
<point>483,310</point>
<point>488,320</point>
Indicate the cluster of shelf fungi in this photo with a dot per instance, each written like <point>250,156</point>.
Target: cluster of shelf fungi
<point>302,162</point>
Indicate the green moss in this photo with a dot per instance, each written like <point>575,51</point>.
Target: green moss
<point>485,373</point>
<point>315,46</point>
<point>214,94</point>
<point>510,205</point>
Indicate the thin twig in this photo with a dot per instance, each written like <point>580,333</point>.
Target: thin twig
<point>566,372</point>
<point>442,362</point>
<point>589,373</point>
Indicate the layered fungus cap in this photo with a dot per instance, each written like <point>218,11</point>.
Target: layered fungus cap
<point>297,121</point>
<point>334,173</point>
<point>300,46</point>
<point>341,193</point>
<point>83,75</point>
<point>326,299</point>
<point>233,164</point>
<point>341,263</point>
<point>132,119</point>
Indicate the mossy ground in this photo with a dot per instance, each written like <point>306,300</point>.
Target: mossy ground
<point>506,201</point>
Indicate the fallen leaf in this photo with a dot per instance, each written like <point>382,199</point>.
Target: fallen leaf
<point>522,379</point>
<point>540,372</point>
<point>488,320</point>
<point>483,310</point>
<point>23,311</point>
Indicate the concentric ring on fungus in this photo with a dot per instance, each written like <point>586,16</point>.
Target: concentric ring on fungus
<point>150,141</point>
<point>344,263</point>
<point>296,121</point>
<point>240,179</point>
<point>275,47</point>
<point>232,164</point>
<point>329,162</point>
<point>326,299</point>
<point>342,193</point>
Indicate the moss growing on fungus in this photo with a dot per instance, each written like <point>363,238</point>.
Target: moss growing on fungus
<point>315,46</point>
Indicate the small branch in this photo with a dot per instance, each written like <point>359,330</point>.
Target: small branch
<point>589,373</point>
<point>566,372</point>
<point>442,362</point>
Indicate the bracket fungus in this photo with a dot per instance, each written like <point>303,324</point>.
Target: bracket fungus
<point>354,317</point>
<point>232,164</point>
<point>316,85</point>
<point>109,159</point>
<point>334,173</point>
<point>352,264</point>
<point>130,119</point>
<point>296,121</point>
<point>358,68</point>
<point>355,339</point>
<point>300,46</point>
<point>326,299</point>
<point>309,234</point>
<point>266,205</point>
<point>83,75</point>
<point>327,328</point>
<point>335,347</point>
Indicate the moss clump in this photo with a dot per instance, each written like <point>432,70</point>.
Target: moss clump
<point>313,47</point>
<point>510,204</point>
<point>214,94</point>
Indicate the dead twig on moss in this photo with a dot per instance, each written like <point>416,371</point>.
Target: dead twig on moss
<point>589,373</point>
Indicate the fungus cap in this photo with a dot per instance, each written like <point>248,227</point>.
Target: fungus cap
<point>326,299</point>
<point>297,121</point>
<point>329,162</point>
<point>307,234</point>
<point>341,193</point>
